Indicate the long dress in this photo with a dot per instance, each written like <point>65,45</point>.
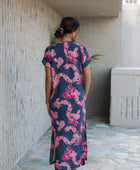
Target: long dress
<point>66,59</point>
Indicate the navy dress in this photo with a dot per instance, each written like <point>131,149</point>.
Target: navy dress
<point>66,59</point>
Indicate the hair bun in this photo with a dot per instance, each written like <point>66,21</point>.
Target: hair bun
<point>68,25</point>
<point>61,29</point>
<point>59,32</point>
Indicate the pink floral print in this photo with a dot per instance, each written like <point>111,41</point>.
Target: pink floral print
<point>66,59</point>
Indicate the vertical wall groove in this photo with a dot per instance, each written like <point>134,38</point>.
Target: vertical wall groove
<point>24,34</point>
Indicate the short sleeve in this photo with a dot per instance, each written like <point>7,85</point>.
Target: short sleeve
<point>86,59</point>
<point>47,60</point>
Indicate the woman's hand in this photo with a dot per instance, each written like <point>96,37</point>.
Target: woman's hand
<point>48,107</point>
<point>85,97</point>
<point>87,79</point>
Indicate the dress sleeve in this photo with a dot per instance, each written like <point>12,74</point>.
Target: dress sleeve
<point>86,59</point>
<point>47,60</point>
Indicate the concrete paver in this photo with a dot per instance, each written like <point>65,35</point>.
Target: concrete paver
<point>109,148</point>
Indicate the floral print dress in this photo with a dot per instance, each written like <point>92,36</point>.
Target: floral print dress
<point>66,59</point>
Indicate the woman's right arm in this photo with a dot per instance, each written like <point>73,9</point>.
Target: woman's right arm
<point>87,79</point>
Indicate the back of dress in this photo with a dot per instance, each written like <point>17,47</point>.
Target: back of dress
<point>66,59</point>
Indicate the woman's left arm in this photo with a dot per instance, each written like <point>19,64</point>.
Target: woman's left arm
<point>48,86</point>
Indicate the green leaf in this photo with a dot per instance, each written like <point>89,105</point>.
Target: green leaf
<point>94,57</point>
<point>53,39</point>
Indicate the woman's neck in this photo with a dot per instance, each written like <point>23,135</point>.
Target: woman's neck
<point>66,38</point>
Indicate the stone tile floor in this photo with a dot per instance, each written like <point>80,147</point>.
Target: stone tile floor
<point>109,148</point>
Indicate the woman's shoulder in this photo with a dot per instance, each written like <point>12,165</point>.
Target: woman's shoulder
<point>51,45</point>
<point>78,44</point>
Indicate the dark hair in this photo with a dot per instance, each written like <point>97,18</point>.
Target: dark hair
<point>67,25</point>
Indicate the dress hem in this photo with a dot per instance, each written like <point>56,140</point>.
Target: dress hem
<point>83,163</point>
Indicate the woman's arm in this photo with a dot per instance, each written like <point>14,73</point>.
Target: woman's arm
<point>48,85</point>
<point>87,79</point>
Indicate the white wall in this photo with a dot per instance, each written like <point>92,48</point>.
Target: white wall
<point>101,36</point>
<point>131,35</point>
<point>24,35</point>
<point>118,39</point>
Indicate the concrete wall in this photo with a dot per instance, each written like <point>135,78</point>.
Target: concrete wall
<point>101,36</point>
<point>24,35</point>
<point>118,39</point>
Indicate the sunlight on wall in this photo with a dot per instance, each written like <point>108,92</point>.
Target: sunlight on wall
<point>129,1</point>
<point>130,34</point>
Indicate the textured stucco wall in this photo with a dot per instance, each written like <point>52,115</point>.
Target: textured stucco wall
<point>101,36</point>
<point>24,34</point>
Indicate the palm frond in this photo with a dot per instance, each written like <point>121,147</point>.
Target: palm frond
<point>53,39</point>
<point>94,57</point>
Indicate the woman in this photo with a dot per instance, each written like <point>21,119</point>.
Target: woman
<point>66,93</point>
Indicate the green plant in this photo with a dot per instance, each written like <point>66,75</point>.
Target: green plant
<point>94,57</point>
<point>53,38</point>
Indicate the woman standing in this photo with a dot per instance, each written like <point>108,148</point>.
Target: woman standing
<point>66,94</point>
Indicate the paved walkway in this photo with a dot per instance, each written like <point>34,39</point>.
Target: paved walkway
<point>109,148</point>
